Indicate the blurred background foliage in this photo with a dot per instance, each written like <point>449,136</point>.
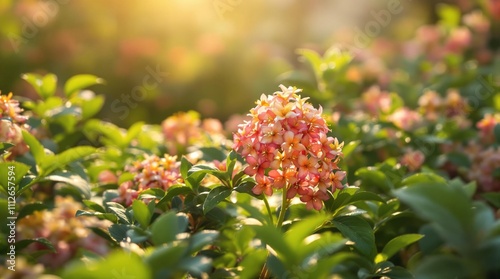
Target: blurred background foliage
<point>213,56</point>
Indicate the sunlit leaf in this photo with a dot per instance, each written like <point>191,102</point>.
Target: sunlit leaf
<point>79,82</point>
<point>215,196</point>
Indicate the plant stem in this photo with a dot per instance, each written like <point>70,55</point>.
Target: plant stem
<point>284,206</point>
<point>268,210</point>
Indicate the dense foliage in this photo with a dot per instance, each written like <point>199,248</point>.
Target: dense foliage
<point>399,181</point>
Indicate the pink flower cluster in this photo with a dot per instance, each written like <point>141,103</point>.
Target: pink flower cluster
<point>453,106</point>
<point>186,129</point>
<point>486,127</point>
<point>485,163</point>
<point>152,172</point>
<point>66,232</point>
<point>286,146</point>
<point>413,159</point>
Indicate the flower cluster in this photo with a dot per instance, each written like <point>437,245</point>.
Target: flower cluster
<point>11,124</point>
<point>413,159</point>
<point>286,146</point>
<point>65,231</point>
<point>152,172</point>
<point>185,129</point>
<point>486,127</point>
<point>453,107</point>
<point>485,163</point>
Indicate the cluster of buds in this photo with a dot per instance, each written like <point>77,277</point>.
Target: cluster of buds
<point>152,172</point>
<point>65,231</point>
<point>11,124</point>
<point>286,146</point>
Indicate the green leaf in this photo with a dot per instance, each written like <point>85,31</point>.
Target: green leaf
<point>102,216</point>
<point>255,213</point>
<point>167,226</point>
<point>72,179</point>
<point>174,191</point>
<point>49,85</point>
<point>36,148</point>
<point>118,264</point>
<point>114,136</point>
<point>274,238</point>
<point>358,231</point>
<point>119,211</point>
<point>496,130</point>
<point>212,153</point>
<point>448,208</point>
<point>450,15</point>
<point>12,169</point>
<point>164,260</point>
<point>443,266</point>
<point>459,159</point>
<point>34,80</point>
<point>349,148</point>
<point>30,208</point>
<point>94,206</point>
<point>312,57</point>
<point>4,146</point>
<point>202,239</point>
<point>92,107</point>
<point>365,196</point>
<point>141,213</point>
<point>53,162</point>
<point>321,245</point>
<point>252,264</point>
<point>119,232</point>
<point>423,178</point>
<point>25,242</point>
<point>230,163</point>
<point>196,265</point>
<point>138,235</point>
<point>246,187</point>
<point>133,131</point>
<point>215,196</point>
<point>298,231</point>
<point>79,82</point>
<point>493,198</point>
<point>370,177</point>
<point>396,244</point>
<point>185,166</point>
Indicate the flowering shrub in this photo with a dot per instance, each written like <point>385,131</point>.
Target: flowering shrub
<point>397,179</point>
<point>153,172</point>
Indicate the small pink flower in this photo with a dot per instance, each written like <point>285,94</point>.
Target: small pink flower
<point>430,104</point>
<point>494,8</point>
<point>477,21</point>
<point>455,104</point>
<point>107,177</point>
<point>314,200</point>
<point>486,127</point>
<point>459,40</point>
<point>413,160</point>
<point>405,119</point>
<point>376,101</point>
